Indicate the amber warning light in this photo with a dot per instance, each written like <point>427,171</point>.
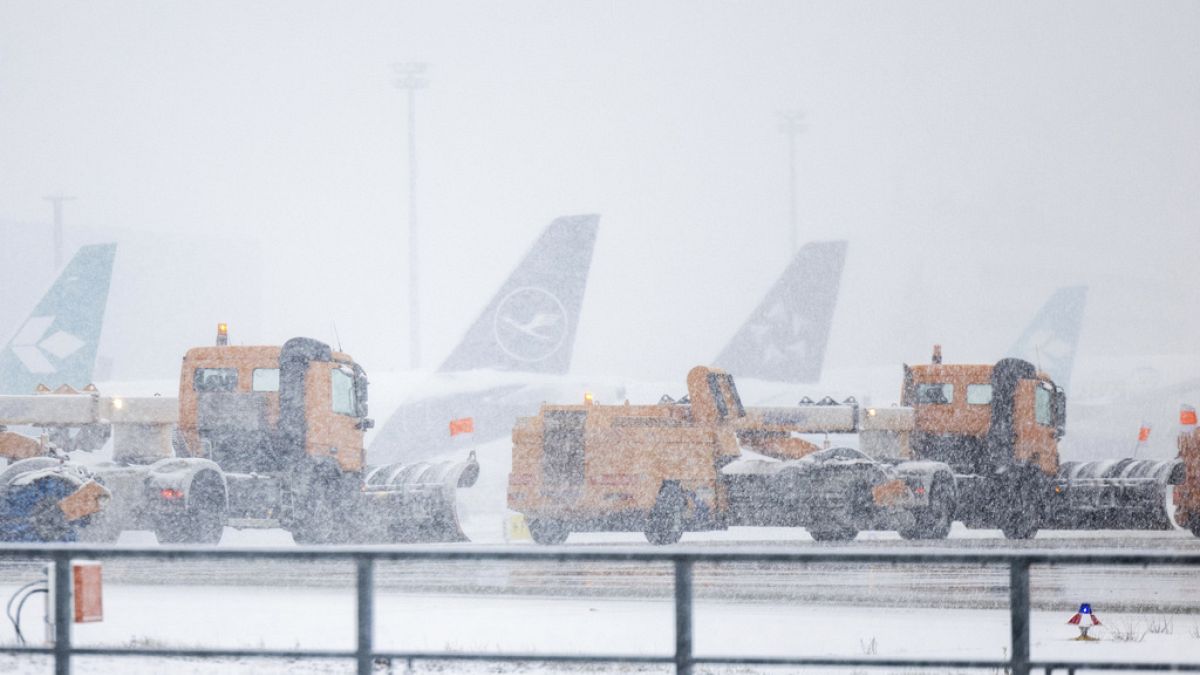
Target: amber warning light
<point>222,334</point>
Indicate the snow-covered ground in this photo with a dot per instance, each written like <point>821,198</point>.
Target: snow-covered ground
<point>312,618</point>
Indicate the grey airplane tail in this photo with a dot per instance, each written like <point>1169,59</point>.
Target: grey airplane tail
<point>784,339</point>
<point>529,325</point>
<point>1049,341</point>
<point>57,344</point>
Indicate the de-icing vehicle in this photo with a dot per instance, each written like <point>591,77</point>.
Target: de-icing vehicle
<point>678,466</point>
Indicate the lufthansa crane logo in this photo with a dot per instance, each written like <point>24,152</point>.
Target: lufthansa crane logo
<point>31,345</point>
<point>530,324</point>
<point>781,335</point>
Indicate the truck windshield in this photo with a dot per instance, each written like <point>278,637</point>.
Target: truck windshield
<point>216,379</point>
<point>936,393</point>
<point>266,379</point>
<point>1041,406</point>
<point>343,393</point>
<point>979,394</point>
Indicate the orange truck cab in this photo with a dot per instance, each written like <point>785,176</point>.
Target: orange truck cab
<point>285,425</point>
<point>998,428</point>
<point>263,409</point>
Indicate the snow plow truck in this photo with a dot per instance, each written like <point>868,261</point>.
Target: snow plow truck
<point>974,443</point>
<point>998,428</point>
<point>678,466</point>
<point>267,436</point>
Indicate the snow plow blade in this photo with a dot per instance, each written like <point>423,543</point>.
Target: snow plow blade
<point>1126,493</point>
<point>428,494</point>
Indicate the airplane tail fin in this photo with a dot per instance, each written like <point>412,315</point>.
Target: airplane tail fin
<point>784,339</point>
<point>1050,339</point>
<point>57,343</point>
<point>530,324</point>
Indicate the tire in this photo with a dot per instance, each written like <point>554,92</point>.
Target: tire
<point>1019,527</point>
<point>1021,518</point>
<point>201,520</point>
<point>833,533</point>
<point>933,521</point>
<point>324,514</point>
<point>548,532</point>
<point>668,518</point>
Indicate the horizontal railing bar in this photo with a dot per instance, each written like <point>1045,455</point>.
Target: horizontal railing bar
<point>192,652</point>
<point>933,663</point>
<point>510,657</point>
<point>1113,665</point>
<point>710,660</point>
<point>617,554</point>
<point>605,658</point>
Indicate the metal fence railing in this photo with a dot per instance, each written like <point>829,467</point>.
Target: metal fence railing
<point>682,559</point>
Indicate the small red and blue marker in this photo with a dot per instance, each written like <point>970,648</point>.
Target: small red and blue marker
<point>1085,620</point>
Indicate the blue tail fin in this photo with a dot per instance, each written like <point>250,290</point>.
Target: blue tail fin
<point>784,339</point>
<point>530,323</point>
<point>57,343</point>
<point>1049,340</point>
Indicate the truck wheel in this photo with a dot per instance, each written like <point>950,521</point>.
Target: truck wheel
<point>325,509</point>
<point>1021,517</point>
<point>548,532</point>
<point>201,521</point>
<point>933,521</point>
<point>1019,527</point>
<point>833,533</point>
<point>666,522</point>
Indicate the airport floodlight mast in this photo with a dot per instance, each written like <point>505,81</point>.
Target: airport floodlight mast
<point>57,201</point>
<point>411,77</point>
<point>791,122</point>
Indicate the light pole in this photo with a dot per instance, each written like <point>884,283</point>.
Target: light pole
<point>57,201</point>
<point>791,122</point>
<point>411,77</point>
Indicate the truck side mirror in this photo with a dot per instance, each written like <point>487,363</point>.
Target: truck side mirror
<point>1058,411</point>
<point>365,423</point>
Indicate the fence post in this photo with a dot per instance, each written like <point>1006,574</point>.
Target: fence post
<point>62,613</point>
<point>683,616</point>
<point>365,579</point>
<point>1018,606</point>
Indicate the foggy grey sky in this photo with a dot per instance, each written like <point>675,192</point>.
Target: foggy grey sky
<point>975,155</point>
